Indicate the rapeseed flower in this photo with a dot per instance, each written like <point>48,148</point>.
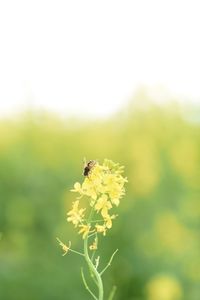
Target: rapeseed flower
<point>101,228</point>
<point>75,215</point>
<point>104,188</point>
<point>100,192</point>
<point>85,229</point>
<point>103,204</point>
<point>108,220</point>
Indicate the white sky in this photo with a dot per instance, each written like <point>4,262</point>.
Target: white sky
<point>90,56</point>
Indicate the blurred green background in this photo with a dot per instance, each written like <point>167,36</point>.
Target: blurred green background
<point>157,231</point>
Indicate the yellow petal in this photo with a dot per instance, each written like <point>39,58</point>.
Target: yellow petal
<point>77,186</point>
<point>115,201</point>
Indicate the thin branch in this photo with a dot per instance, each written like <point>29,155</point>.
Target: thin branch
<point>112,293</point>
<point>95,221</point>
<point>67,248</point>
<point>109,263</point>
<point>91,234</point>
<point>86,285</point>
<point>76,252</point>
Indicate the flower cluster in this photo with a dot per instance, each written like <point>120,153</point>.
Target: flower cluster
<point>103,188</point>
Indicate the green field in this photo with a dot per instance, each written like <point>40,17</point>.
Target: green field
<point>157,230</point>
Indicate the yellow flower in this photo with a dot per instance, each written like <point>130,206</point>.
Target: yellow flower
<point>116,191</point>
<point>77,188</point>
<point>104,187</point>
<point>94,245</point>
<point>108,220</point>
<point>96,175</point>
<point>103,204</point>
<point>85,229</point>
<point>115,201</point>
<point>88,188</point>
<point>75,215</point>
<point>64,247</point>
<point>115,196</point>
<point>101,228</point>
<point>109,179</point>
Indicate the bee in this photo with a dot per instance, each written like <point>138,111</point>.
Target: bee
<point>88,167</point>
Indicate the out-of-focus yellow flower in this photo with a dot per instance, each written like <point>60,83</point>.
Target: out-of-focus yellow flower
<point>164,288</point>
<point>76,215</point>
<point>64,246</point>
<point>104,205</point>
<point>101,228</point>
<point>85,229</point>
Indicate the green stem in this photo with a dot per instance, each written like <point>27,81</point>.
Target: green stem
<point>93,269</point>
<point>86,285</point>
